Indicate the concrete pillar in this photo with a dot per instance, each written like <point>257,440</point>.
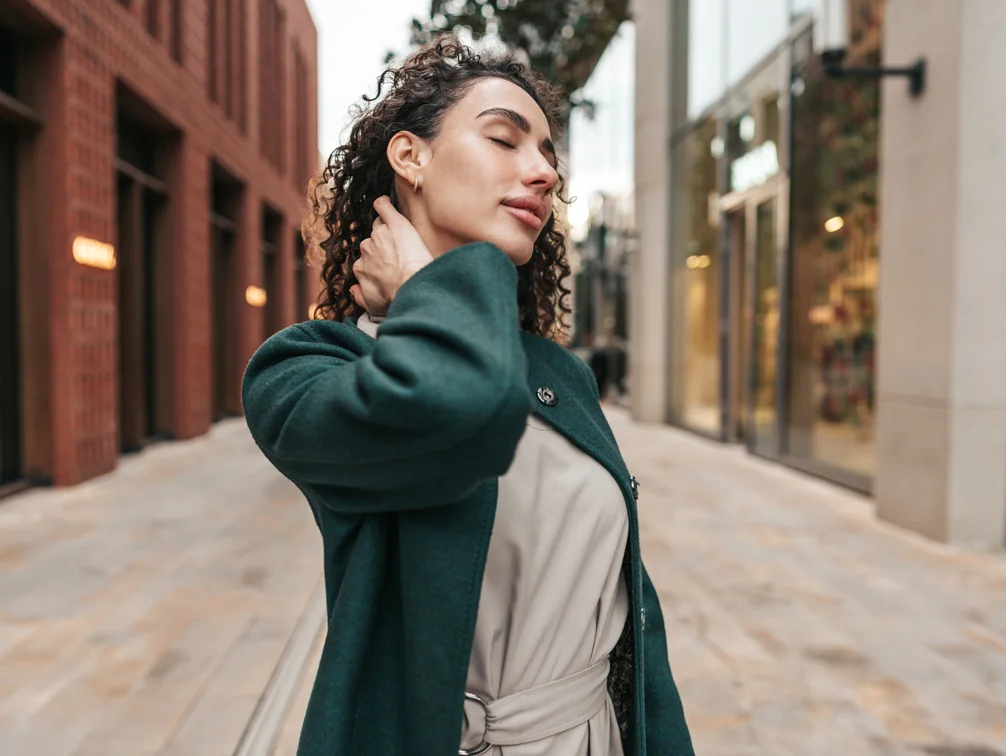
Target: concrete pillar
<point>648,270</point>
<point>941,433</point>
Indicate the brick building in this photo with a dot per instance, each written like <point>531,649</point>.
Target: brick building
<point>153,159</point>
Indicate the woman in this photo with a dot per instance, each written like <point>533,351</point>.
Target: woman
<point>480,540</point>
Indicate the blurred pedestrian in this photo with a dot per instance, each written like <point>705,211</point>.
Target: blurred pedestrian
<point>481,552</point>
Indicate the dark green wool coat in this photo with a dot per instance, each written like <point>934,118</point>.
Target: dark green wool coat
<point>398,444</point>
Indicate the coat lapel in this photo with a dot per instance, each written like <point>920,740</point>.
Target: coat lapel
<point>575,413</point>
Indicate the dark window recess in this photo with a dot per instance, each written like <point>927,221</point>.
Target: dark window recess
<point>227,51</point>
<point>137,147</point>
<point>143,295</point>
<point>177,24</point>
<point>10,362</point>
<point>302,151</point>
<point>272,224</point>
<point>8,63</point>
<point>212,52</point>
<point>224,213</point>
<point>272,75</point>
<point>299,278</point>
<point>154,18</point>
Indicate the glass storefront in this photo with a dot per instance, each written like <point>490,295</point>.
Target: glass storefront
<point>774,250</point>
<point>834,255</point>
<point>695,281</point>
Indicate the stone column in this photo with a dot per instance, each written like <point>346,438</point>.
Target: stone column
<point>648,270</point>
<point>941,435</point>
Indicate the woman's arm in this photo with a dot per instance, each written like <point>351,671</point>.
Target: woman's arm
<point>666,730</point>
<point>433,409</point>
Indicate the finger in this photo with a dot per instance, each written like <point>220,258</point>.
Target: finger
<point>378,223</point>
<point>357,293</point>
<point>366,245</point>
<point>386,210</point>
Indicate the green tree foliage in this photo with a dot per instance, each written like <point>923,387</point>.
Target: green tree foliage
<point>561,39</point>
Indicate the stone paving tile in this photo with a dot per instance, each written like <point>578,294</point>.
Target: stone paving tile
<point>800,624</point>
<point>289,735</point>
<point>143,612</point>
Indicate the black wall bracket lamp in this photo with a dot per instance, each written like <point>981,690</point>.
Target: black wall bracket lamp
<point>832,60</point>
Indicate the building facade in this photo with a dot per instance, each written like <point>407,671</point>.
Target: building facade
<point>805,292</point>
<point>154,156</point>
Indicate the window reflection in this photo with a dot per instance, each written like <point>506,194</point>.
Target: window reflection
<point>835,259</point>
<point>695,396</point>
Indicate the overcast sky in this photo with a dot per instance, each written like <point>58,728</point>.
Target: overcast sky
<point>353,37</point>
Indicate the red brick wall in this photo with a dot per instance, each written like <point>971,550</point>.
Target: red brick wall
<point>100,42</point>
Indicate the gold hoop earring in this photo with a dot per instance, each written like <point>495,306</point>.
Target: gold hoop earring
<point>415,184</point>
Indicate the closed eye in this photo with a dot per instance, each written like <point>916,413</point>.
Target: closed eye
<point>502,143</point>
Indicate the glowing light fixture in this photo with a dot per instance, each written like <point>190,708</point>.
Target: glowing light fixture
<point>255,296</point>
<point>746,128</point>
<point>717,147</point>
<point>94,253</point>
<point>834,224</point>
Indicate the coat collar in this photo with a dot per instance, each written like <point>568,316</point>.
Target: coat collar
<point>576,413</point>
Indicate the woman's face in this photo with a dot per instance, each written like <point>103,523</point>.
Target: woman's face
<point>488,175</point>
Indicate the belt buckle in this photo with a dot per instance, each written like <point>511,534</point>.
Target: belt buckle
<point>483,746</point>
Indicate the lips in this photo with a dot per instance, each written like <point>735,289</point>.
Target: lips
<point>530,209</point>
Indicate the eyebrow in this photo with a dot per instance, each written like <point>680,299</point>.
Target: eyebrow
<point>520,122</point>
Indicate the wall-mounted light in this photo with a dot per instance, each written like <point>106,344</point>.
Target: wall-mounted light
<point>94,253</point>
<point>717,147</point>
<point>915,73</point>
<point>255,296</point>
<point>698,262</point>
<point>746,127</point>
<point>834,224</point>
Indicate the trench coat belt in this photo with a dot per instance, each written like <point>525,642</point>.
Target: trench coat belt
<point>536,713</point>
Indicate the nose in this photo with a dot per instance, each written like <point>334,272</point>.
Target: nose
<point>541,174</point>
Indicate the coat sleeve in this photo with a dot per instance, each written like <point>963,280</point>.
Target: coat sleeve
<point>666,730</point>
<point>435,406</point>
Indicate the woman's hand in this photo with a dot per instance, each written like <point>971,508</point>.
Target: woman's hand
<point>389,257</point>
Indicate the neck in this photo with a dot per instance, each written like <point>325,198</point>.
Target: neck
<point>437,241</point>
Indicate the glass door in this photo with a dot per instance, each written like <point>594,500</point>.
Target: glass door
<point>738,326</point>
<point>764,333</point>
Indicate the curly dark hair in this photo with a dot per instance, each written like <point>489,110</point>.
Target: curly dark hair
<point>419,94</point>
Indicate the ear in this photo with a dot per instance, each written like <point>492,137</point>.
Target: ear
<point>408,155</point>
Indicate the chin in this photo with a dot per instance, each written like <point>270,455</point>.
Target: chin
<point>518,250</point>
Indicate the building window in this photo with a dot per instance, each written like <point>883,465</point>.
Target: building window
<point>177,22</point>
<point>8,63</point>
<point>695,287</point>
<point>272,226</point>
<point>834,214</point>
<point>227,197</point>
<point>301,139</point>
<point>300,273</point>
<point>153,18</point>
<point>226,56</point>
<point>144,303</point>
<point>272,76</point>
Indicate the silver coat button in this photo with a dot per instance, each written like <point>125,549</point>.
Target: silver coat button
<point>547,396</point>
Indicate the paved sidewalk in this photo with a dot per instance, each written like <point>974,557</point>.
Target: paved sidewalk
<point>799,625</point>
<point>145,613</point>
